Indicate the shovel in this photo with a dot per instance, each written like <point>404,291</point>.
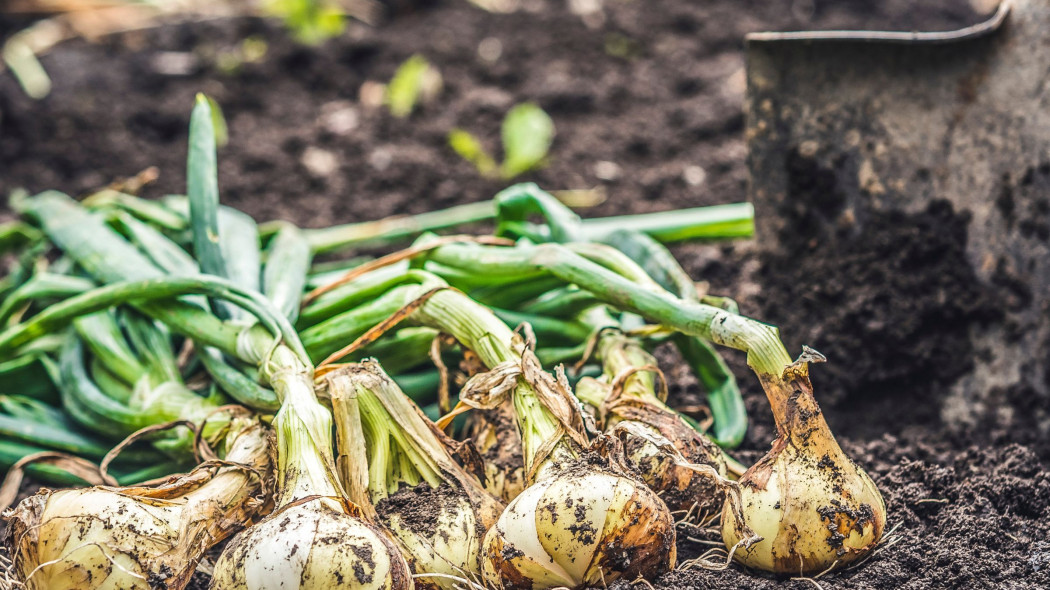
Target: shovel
<point>849,131</point>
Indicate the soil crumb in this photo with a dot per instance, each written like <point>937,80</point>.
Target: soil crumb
<point>418,507</point>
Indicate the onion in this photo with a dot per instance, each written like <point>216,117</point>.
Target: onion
<point>691,476</point>
<point>585,520</point>
<point>314,545</point>
<point>315,538</point>
<point>814,508</point>
<point>585,525</point>
<point>623,528</point>
<point>138,537</point>
<point>390,454</point>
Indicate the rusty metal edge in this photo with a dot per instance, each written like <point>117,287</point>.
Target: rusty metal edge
<point>918,37</point>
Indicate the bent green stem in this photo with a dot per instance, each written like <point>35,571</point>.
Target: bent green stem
<point>765,352</point>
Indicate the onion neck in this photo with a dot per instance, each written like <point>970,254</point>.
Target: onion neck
<point>479,330</point>
<point>619,354</point>
<point>537,427</point>
<point>305,465</point>
<point>393,459</point>
<point>766,354</point>
<point>796,413</point>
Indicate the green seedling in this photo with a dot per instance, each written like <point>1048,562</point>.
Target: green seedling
<point>311,21</point>
<point>415,80</point>
<point>251,50</point>
<point>527,135</point>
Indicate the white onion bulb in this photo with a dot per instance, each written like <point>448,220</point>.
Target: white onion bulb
<point>586,526</point>
<point>813,507</point>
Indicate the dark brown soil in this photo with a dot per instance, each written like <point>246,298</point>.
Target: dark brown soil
<point>656,89</point>
<point>418,507</point>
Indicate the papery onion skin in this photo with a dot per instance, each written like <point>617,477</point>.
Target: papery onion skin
<point>315,545</point>
<point>679,486</point>
<point>546,537</point>
<point>814,508</point>
<point>627,403</point>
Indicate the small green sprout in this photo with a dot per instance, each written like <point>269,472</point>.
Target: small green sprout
<point>414,80</point>
<point>311,21</point>
<point>527,135</point>
<point>470,149</point>
<point>252,50</point>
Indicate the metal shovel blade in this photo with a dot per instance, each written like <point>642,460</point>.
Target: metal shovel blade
<point>897,121</point>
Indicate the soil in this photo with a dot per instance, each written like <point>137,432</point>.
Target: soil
<point>646,97</point>
<point>418,506</point>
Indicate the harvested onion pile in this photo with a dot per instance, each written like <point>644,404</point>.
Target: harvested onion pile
<point>407,421</point>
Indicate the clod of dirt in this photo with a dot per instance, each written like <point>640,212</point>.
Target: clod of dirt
<point>418,506</point>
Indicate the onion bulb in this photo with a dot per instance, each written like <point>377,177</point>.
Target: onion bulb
<point>584,520</point>
<point>690,478</point>
<point>392,456</point>
<point>138,537</point>
<point>584,526</point>
<point>315,539</point>
<point>814,508</point>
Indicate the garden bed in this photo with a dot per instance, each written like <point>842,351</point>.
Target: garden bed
<point>647,100</point>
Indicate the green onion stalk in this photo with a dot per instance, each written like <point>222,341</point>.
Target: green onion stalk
<point>701,223</point>
<point>723,394</point>
<point>133,380</point>
<point>29,426</point>
<point>643,258</point>
<point>125,473</point>
<point>792,492</point>
<point>140,377</point>
<point>348,311</point>
<point>392,457</point>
